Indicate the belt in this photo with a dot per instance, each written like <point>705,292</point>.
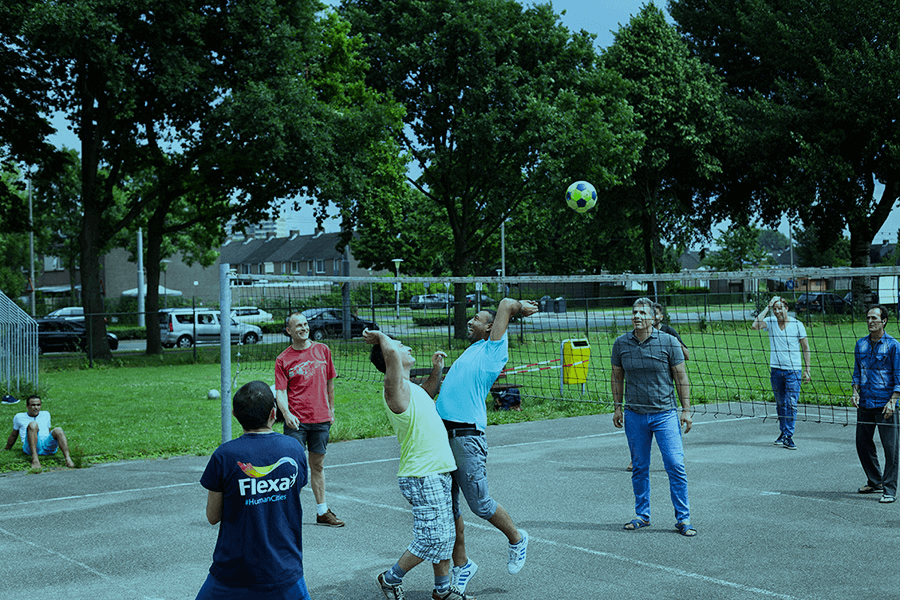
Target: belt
<point>463,432</point>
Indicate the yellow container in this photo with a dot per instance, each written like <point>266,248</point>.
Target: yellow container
<point>576,357</point>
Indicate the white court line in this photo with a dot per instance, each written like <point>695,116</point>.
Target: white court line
<point>99,495</point>
<point>87,568</point>
<point>598,553</point>
<point>625,559</point>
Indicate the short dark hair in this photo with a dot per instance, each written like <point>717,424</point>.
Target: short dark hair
<point>657,307</point>
<point>884,311</point>
<point>376,357</point>
<point>491,312</point>
<point>252,405</point>
<point>29,398</point>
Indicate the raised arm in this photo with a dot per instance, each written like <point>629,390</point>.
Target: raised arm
<point>432,385</point>
<point>396,386</point>
<point>759,322</point>
<point>506,310</point>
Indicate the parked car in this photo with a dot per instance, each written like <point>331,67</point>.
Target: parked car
<point>250,314</point>
<point>821,302</point>
<point>431,301</point>
<point>329,322</point>
<point>177,328</point>
<point>60,335</point>
<point>69,313</point>
<point>484,299</point>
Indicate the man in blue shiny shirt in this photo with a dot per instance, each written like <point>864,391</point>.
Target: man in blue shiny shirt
<point>876,388</point>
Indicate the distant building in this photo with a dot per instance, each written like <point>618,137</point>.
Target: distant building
<point>304,255</point>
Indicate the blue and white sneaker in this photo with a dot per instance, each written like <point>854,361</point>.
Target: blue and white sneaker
<point>517,554</point>
<point>10,399</point>
<point>789,443</point>
<point>461,576</point>
<point>780,440</point>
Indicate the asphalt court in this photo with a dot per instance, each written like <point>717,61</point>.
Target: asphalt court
<point>772,523</point>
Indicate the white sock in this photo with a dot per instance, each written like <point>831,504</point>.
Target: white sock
<point>321,509</point>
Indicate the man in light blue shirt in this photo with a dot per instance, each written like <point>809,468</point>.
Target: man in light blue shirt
<point>876,388</point>
<point>461,404</point>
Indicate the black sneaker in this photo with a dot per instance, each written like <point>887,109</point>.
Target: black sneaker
<point>391,592</point>
<point>780,440</point>
<point>789,443</point>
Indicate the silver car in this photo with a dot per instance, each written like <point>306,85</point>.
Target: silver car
<point>177,327</point>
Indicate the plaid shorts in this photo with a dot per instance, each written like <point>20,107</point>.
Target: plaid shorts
<point>433,528</point>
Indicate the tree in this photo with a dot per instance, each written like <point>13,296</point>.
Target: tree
<point>773,240</point>
<point>503,109</point>
<point>739,248</point>
<point>24,104</point>
<point>677,100</point>
<point>813,87</point>
<point>813,250</point>
<point>206,109</point>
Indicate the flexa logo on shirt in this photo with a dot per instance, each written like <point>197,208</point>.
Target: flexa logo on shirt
<point>255,484</point>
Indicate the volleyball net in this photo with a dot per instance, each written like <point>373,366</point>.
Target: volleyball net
<point>563,352</point>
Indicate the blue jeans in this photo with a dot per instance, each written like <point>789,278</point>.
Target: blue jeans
<point>786,387</point>
<point>640,429</point>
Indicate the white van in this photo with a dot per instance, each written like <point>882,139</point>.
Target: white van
<point>177,327</point>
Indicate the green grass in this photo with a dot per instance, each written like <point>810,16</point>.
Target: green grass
<point>139,406</point>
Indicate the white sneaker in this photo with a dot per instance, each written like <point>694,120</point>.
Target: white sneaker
<point>461,576</point>
<point>517,554</point>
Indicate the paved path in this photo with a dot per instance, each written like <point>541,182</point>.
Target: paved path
<point>773,523</point>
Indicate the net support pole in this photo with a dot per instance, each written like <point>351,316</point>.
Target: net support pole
<point>225,348</point>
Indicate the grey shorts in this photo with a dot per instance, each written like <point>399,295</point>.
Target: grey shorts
<point>470,476</point>
<point>434,530</point>
<point>313,436</point>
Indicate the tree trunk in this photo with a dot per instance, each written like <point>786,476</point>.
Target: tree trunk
<point>91,284</point>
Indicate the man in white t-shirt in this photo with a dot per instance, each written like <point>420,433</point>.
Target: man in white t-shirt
<point>787,341</point>
<point>38,437</point>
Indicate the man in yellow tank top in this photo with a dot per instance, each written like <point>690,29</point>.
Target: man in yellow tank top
<point>425,465</point>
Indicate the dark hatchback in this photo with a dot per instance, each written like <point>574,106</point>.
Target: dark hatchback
<point>60,335</point>
<point>821,302</point>
<point>329,322</point>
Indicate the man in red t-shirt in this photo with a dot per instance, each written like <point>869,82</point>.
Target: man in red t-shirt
<point>304,392</point>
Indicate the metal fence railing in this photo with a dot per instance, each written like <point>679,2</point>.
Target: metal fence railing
<point>18,348</point>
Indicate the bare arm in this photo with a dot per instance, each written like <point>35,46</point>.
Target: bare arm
<point>11,439</point>
<point>214,503</point>
<point>684,350</point>
<point>329,393</point>
<point>760,321</point>
<point>807,372</point>
<point>617,382</point>
<point>396,386</point>
<point>281,399</point>
<point>506,310</point>
<point>683,387</point>
<point>432,385</point>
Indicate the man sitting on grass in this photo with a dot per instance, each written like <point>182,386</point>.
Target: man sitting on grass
<point>38,437</point>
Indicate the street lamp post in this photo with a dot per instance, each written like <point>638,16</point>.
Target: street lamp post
<point>165,266</point>
<point>397,262</point>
